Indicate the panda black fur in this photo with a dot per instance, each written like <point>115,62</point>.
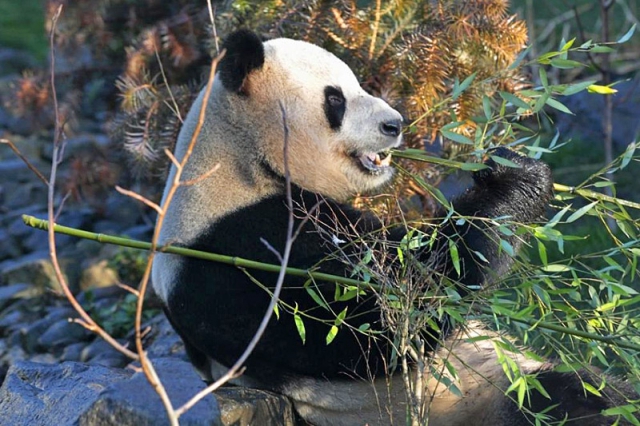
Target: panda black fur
<point>335,132</point>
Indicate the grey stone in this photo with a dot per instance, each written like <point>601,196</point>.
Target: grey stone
<point>72,352</point>
<point>246,407</point>
<point>36,269</point>
<point>30,335</point>
<point>10,292</point>
<point>97,348</point>
<point>42,395</point>
<point>98,274</point>
<point>164,340</point>
<point>134,402</point>
<point>63,332</point>
<point>113,360</point>
<point>9,247</point>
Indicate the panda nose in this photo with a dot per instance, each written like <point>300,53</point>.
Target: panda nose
<point>391,128</point>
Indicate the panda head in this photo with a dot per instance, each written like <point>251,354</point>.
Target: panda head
<point>339,137</point>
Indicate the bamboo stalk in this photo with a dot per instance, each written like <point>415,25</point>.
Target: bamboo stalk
<point>320,276</point>
<point>420,155</point>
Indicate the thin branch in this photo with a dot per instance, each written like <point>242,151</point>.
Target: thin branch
<point>145,363</point>
<point>25,160</point>
<point>212,12</point>
<point>57,153</point>
<point>138,197</point>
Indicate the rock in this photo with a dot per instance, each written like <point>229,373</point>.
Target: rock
<point>98,274</point>
<point>10,292</point>
<point>99,348</point>
<point>9,247</point>
<point>72,352</point>
<point>38,394</point>
<point>62,333</point>
<point>245,407</point>
<point>29,337</point>
<point>37,270</point>
<point>164,340</point>
<point>135,403</point>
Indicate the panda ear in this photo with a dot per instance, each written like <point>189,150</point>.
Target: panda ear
<point>244,53</point>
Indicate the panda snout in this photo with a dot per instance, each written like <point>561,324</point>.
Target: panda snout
<point>391,128</point>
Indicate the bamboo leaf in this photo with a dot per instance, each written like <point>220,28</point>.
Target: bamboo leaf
<point>456,137</point>
<point>333,332</point>
<point>627,35</point>
<point>559,106</point>
<point>302,332</point>
<point>514,100</point>
<point>581,212</point>
<point>457,90</point>
<point>455,256</point>
<point>505,162</point>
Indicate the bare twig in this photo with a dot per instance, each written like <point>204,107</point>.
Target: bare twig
<point>86,320</point>
<point>26,161</point>
<point>147,366</point>
<point>212,13</point>
<point>138,197</point>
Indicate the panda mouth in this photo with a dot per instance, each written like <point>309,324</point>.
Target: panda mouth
<point>375,162</point>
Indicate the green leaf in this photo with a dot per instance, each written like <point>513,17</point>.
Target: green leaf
<point>542,251</point>
<point>520,57</point>
<point>628,155</point>
<point>556,268</point>
<point>581,212</point>
<point>627,35</point>
<point>568,45</point>
<point>456,137</point>
<point>333,332</point>
<point>544,80</point>
<point>591,389</point>
<point>559,106</point>
<point>457,90</point>
<point>507,247</point>
<point>316,297</point>
<point>505,162</point>
<point>455,256</point>
<point>486,107</point>
<point>572,89</point>
<point>514,100</point>
<point>565,64</point>
<point>300,326</point>
<point>473,167</point>
<point>601,49</point>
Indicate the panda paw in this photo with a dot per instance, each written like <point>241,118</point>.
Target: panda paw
<point>531,179</point>
<point>527,168</point>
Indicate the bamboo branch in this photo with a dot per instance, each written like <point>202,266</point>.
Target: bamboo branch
<point>420,155</point>
<point>320,276</point>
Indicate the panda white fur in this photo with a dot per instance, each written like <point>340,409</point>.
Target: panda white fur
<point>338,136</point>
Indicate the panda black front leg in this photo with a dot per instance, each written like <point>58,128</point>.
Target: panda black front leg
<point>519,195</point>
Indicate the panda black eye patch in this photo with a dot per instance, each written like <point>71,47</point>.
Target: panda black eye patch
<point>335,106</point>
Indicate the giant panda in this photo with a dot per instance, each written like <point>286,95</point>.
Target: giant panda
<point>338,138</point>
